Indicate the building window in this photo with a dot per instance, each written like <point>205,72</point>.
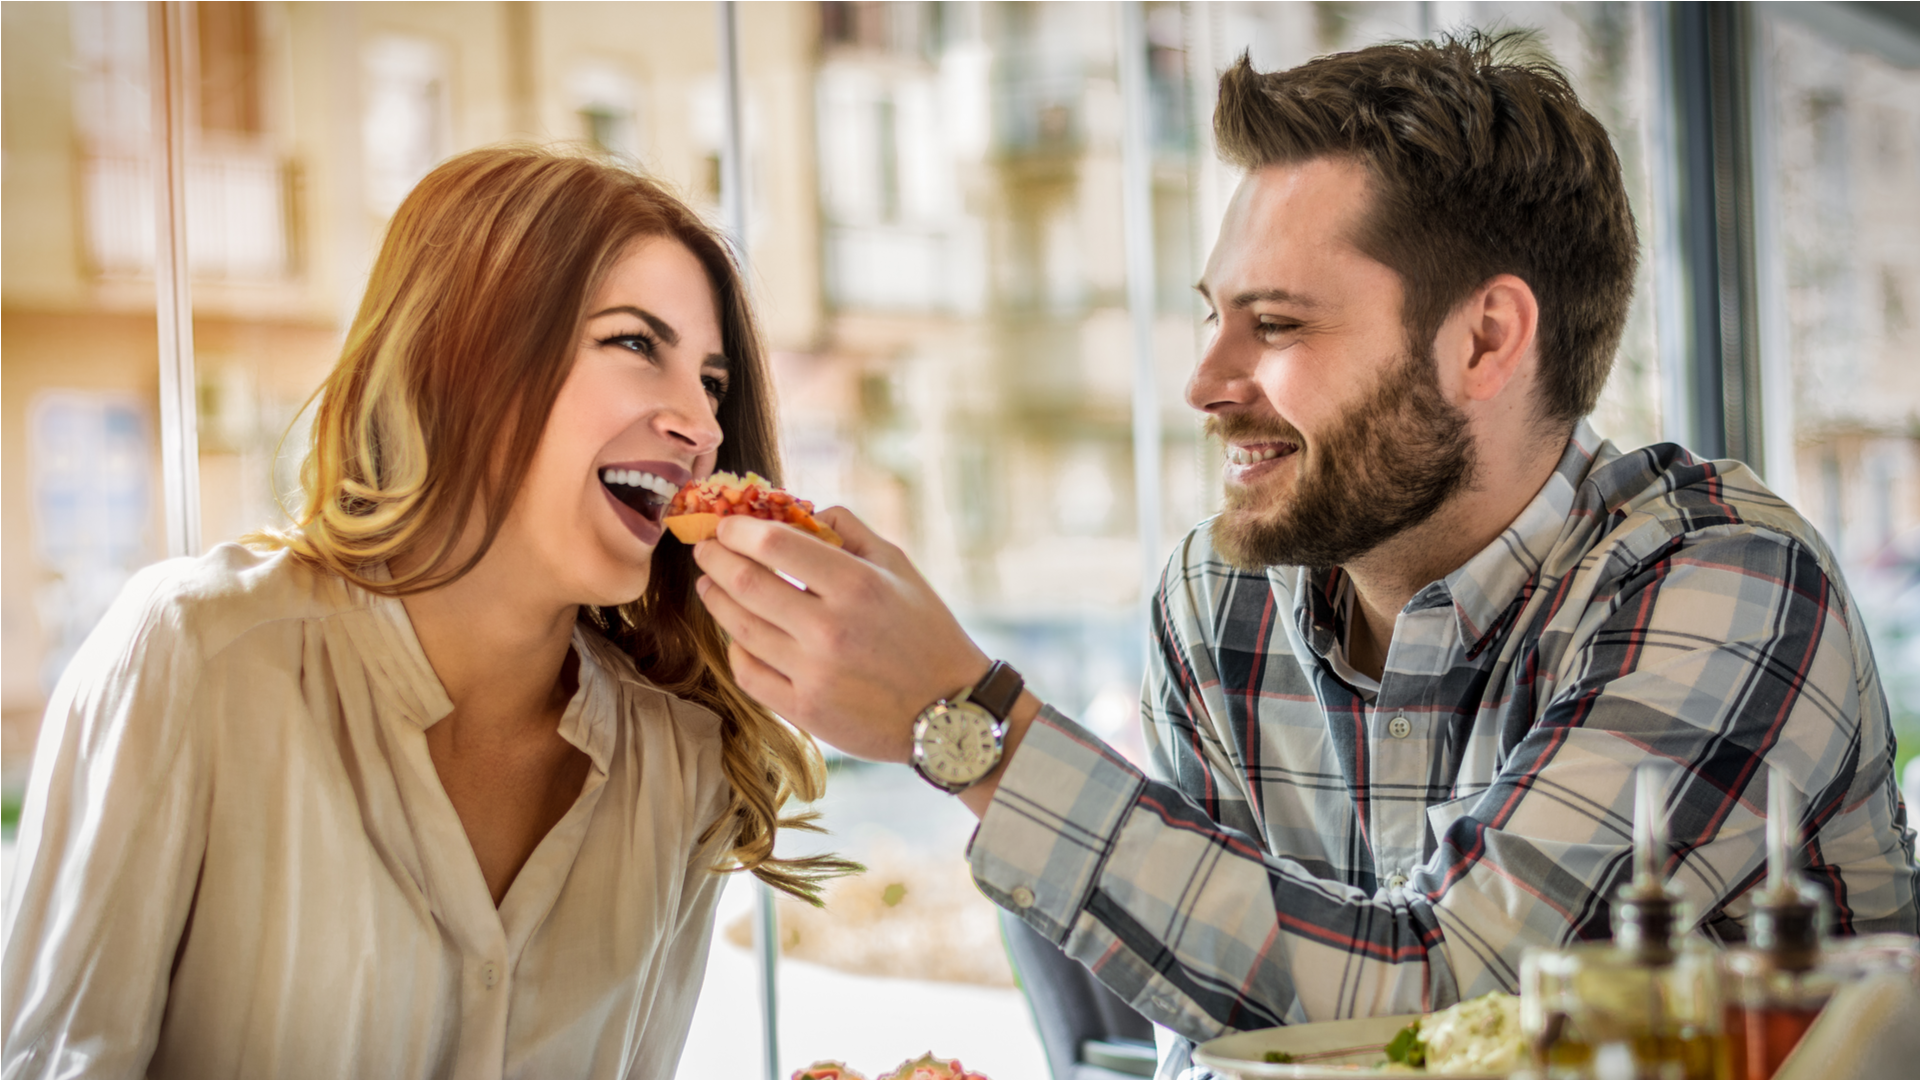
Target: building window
<point>228,37</point>
<point>607,102</point>
<point>407,127</point>
<point>238,214</point>
<point>90,462</point>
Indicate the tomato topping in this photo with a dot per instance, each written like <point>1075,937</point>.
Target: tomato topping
<point>725,494</point>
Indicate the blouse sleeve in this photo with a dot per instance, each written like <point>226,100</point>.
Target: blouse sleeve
<point>110,846</point>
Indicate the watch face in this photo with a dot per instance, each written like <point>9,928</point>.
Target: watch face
<point>956,743</point>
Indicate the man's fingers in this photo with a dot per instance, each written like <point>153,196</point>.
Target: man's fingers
<point>861,540</point>
<point>759,680</point>
<point>765,638</point>
<point>821,566</point>
<point>752,584</point>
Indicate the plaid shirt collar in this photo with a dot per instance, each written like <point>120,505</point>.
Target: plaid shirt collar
<point>1484,588</point>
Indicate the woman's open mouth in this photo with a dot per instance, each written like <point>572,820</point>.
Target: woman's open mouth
<point>647,492</point>
<point>640,492</point>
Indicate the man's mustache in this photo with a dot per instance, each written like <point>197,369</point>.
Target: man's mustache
<point>1241,427</point>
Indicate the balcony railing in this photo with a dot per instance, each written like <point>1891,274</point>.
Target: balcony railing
<point>239,215</point>
<point>903,269</point>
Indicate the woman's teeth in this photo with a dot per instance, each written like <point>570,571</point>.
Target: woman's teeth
<point>1246,455</point>
<point>666,489</point>
<point>644,492</point>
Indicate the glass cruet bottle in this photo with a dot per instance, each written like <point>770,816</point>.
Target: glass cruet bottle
<point>1645,1006</point>
<point>1773,985</point>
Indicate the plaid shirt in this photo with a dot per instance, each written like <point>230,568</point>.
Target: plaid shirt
<point>1307,853</point>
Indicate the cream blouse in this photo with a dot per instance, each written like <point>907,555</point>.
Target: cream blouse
<point>236,858</point>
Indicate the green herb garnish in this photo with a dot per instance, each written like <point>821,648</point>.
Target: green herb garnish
<point>1406,1047</point>
<point>1277,1057</point>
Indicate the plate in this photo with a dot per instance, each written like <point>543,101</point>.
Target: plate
<point>1330,1050</point>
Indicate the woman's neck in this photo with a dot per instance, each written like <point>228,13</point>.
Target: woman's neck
<point>500,647</point>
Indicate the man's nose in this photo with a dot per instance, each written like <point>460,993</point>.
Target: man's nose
<point>1221,379</point>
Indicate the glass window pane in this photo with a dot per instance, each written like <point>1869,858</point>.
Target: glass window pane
<point>958,372</point>
<point>82,486</point>
<point>934,231</point>
<point>1846,165</point>
<point>966,386</point>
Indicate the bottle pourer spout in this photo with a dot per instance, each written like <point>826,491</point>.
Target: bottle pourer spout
<point>1786,921</point>
<point>1649,828</point>
<point>1644,909</point>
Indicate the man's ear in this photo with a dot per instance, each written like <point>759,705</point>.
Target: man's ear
<point>1495,337</point>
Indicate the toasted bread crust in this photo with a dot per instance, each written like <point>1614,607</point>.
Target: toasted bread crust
<point>690,529</point>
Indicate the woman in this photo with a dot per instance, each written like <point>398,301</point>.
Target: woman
<point>438,783</point>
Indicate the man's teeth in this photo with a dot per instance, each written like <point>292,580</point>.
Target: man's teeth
<point>666,489</point>
<point>1242,455</point>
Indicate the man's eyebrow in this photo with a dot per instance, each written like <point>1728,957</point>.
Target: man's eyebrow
<point>1271,296</point>
<point>660,326</point>
<point>1258,296</point>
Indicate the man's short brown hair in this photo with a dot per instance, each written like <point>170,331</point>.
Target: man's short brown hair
<point>1482,164</point>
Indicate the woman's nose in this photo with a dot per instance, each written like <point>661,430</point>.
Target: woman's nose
<point>690,419</point>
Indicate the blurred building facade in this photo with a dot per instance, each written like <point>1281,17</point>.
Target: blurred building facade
<point>307,125</point>
<point>934,199</point>
<point>935,243</point>
<point>1845,174</point>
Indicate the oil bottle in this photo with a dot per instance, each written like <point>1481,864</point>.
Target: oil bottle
<point>1774,986</point>
<point>1645,1006</point>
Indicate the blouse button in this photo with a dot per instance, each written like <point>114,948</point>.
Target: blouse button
<point>1400,727</point>
<point>490,974</point>
<point>1022,897</point>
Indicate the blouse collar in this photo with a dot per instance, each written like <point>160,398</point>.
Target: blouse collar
<point>590,722</point>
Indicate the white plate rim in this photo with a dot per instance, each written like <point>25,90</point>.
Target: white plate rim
<point>1368,1033</point>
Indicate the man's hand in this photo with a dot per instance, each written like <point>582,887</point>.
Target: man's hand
<point>854,656</point>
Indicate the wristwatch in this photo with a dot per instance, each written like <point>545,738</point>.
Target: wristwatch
<point>957,741</point>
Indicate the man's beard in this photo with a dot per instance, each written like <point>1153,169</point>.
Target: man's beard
<point>1387,464</point>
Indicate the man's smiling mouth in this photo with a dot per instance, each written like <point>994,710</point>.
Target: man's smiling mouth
<point>1254,455</point>
<point>646,493</point>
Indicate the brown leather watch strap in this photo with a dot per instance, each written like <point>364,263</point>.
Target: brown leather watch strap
<point>997,690</point>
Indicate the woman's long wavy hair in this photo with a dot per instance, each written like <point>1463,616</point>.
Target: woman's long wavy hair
<point>469,326</point>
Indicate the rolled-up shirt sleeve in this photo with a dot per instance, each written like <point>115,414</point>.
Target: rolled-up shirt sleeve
<point>1190,922</point>
<point>110,842</point>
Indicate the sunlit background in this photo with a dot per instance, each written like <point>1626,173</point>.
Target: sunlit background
<point>934,199</point>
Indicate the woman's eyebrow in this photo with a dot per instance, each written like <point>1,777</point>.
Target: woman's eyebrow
<point>719,361</point>
<point>660,326</point>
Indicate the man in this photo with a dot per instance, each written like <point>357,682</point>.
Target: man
<point>1402,682</point>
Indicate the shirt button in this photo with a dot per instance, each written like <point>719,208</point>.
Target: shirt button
<point>1399,727</point>
<point>1397,881</point>
<point>1022,897</point>
<point>490,974</point>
